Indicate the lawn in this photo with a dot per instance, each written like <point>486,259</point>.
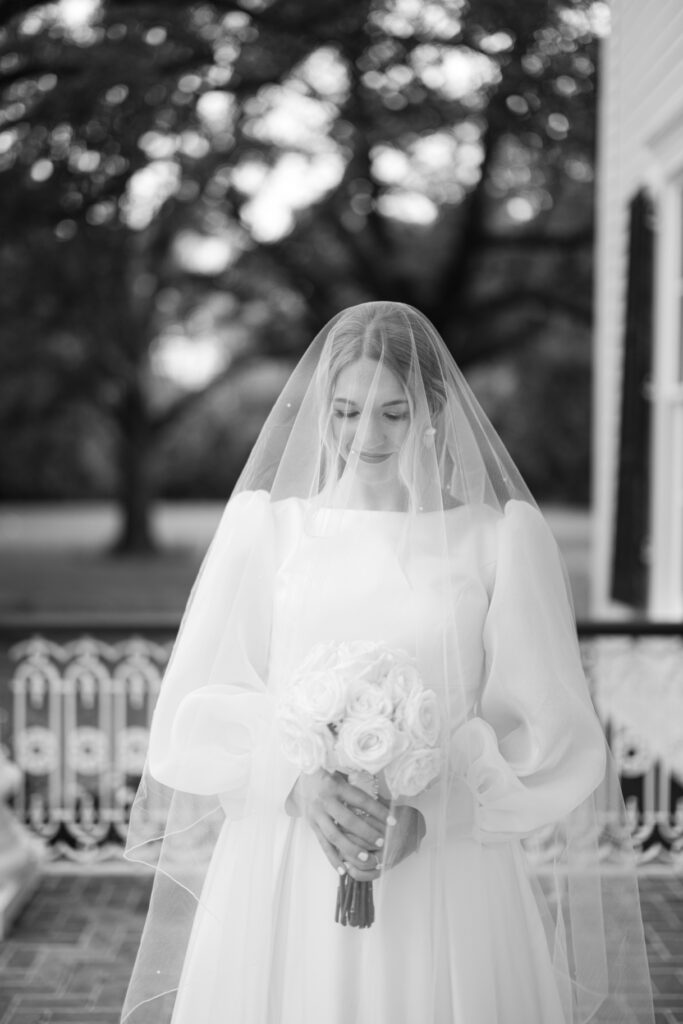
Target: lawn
<point>55,560</point>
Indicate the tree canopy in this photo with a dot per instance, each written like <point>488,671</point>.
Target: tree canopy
<point>220,178</point>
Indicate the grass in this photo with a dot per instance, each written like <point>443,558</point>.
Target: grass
<point>54,559</point>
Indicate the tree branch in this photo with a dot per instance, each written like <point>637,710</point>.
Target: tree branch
<point>314,288</point>
<point>12,8</point>
<point>194,398</point>
<point>452,276</point>
<point>529,296</point>
<point>496,345</point>
<point>550,240</point>
<point>34,70</point>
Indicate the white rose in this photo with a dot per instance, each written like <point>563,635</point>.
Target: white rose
<point>401,681</point>
<point>292,708</point>
<point>365,665</point>
<point>320,656</point>
<point>322,696</point>
<point>367,700</point>
<point>421,717</point>
<point>306,747</point>
<point>412,771</point>
<point>379,666</point>
<point>367,744</point>
<point>369,660</point>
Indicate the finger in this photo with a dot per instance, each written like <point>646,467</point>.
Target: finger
<point>401,841</point>
<point>361,859</point>
<point>350,851</point>
<point>331,853</point>
<point>380,812</point>
<point>359,835</point>
<point>364,874</point>
<point>363,830</point>
<point>355,797</point>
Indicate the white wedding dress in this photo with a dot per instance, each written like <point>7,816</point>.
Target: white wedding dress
<point>461,934</point>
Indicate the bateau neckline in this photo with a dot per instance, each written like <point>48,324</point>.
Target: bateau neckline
<point>310,505</point>
<point>383,511</point>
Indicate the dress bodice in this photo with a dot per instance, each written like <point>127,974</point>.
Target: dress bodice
<point>476,596</point>
<point>357,575</point>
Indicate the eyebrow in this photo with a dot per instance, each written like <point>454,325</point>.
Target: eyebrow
<point>395,401</point>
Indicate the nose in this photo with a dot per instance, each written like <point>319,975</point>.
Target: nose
<point>373,435</point>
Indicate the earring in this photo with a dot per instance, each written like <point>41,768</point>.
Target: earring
<point>428,436</point>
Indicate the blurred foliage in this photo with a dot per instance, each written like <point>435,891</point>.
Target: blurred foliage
<point>190,190</point>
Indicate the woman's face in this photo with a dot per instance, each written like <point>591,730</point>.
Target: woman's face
<point>388,419</point>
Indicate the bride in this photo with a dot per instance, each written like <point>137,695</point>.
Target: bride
<point>378,507</point>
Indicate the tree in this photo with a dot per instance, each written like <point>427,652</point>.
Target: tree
<point>438,152</point>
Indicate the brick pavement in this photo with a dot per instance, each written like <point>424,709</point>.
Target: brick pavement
<point>69,956</point>
<point>68,959</point>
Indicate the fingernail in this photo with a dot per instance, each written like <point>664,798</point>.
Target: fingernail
<point>379,842</point>
<point>341,870</point>
<point>362,856</point>
<point>391,820</point>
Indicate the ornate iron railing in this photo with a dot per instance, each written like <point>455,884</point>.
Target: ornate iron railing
<point>635,672</point>
<point>77,697</point>
<point>77,701</point>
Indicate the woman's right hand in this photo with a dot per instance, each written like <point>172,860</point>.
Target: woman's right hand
<point>350,841</point>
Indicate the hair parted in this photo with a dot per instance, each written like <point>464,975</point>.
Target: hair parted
<point>388,334</point>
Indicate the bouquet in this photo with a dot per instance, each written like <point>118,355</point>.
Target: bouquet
<point>361,708</point>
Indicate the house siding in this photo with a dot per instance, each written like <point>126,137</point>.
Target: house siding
<point>641,90</point>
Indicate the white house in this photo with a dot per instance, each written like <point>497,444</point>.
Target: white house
<point>640,154</point>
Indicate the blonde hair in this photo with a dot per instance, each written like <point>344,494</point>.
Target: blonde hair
<point>393,339</point>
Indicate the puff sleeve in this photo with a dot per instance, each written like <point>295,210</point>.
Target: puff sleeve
<point>536,749</point>
<point>214,714</point>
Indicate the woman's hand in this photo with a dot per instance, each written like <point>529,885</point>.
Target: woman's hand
<point>401,840</point>
<point>351,841</point>
<point>405,837</point>
<point>360,844</point>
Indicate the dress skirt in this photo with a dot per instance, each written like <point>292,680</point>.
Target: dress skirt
<point>468,948</point>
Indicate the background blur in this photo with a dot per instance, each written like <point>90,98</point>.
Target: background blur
<point>188,191</point>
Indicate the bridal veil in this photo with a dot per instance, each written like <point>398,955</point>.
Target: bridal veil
<point>524,759</point>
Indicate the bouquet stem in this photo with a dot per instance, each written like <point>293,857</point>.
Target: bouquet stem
<point>355,904</point>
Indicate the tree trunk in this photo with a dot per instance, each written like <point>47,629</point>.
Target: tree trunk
<point>136,493</point>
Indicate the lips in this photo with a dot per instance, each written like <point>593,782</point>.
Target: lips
<point>374,457</point>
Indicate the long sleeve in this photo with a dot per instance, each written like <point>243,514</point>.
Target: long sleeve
<point>536,750</point>
<point>214,711</point>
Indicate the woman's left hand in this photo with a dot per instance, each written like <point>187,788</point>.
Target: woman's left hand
<point>400,841</point>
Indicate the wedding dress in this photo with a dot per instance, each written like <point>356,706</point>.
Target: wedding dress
<point>489,970</point>
<point>466,579</point>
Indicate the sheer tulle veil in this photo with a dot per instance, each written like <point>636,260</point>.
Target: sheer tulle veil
<point>399,457</point>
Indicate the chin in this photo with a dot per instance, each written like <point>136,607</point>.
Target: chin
<point>379,472</point>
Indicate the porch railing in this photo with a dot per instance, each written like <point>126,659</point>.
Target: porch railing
<point>76,699</point>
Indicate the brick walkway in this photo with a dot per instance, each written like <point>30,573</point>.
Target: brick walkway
<point>68,958</point>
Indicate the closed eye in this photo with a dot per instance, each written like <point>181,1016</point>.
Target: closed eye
<point>345,414</point>
<point>350,414</point>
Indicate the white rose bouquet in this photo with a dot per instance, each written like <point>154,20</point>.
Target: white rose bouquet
<point>361,708</point>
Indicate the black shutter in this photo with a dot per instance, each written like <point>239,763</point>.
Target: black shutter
<point>629,562</point>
